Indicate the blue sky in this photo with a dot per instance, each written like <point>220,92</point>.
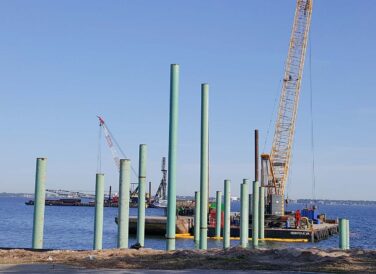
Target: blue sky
<point>64,62</point>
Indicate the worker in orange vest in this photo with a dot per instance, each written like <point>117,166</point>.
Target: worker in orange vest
<point>297,218</point>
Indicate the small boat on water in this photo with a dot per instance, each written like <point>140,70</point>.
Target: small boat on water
<point>159,204</point>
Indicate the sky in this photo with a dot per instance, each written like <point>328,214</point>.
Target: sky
<point>64,62</point>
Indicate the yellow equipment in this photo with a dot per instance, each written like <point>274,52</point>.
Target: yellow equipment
<point>276,165</point>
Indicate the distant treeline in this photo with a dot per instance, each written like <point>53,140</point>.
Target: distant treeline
<point>6,194</point>
<point>212,199</point>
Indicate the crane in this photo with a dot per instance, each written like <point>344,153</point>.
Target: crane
<point>115,149</point>
<point>161,192</point>
<point>275,166</point>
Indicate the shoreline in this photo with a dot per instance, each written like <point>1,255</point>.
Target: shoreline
<point>291,259</point>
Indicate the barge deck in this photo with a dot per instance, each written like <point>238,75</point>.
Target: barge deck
<point>156,225</point>
<point>317,233</point>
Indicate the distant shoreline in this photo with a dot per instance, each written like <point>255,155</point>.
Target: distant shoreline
<point>335,202</point>
<point>21,195</point>
<point>299,201</point>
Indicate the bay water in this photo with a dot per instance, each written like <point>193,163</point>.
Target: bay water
<point>70,227</point>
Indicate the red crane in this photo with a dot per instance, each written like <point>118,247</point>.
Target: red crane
<point>115,148</point>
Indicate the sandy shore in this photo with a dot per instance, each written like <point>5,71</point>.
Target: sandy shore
<point>315,260</point>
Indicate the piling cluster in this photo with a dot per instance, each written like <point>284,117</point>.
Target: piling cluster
<point>201,197</point>
<point>251,204</point>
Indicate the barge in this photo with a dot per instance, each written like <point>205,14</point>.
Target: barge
<point>316,233</point>
<point>72,202</point>
<point>156,225</point>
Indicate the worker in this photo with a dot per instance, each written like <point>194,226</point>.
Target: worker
<point>297,218</point>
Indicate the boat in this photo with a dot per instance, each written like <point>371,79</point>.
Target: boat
<point>159,204</point>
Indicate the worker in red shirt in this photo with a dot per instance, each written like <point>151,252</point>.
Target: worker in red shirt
<point>297,218</point>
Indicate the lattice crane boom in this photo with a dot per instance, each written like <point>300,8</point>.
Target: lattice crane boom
<point>115,149</point>
<point>280,155</point>
<point>113,145</point>
<point>110,143</point>
<point>161,192</point>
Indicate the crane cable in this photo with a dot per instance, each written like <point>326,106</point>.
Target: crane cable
<point>99,156</point>
<point>272,116</point>
<point>121,151</point>
<point>312,125</point>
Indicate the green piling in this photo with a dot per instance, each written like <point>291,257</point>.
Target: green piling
<point>197,219</point>
<point>226,228</point>
<point>218,215</point>
<point>342,234</point>
<point>204,165</point>
<point>347,234</point>
<point>39,203</point>
<point>141,196</point>
<point>262,213</point>
<point>98,218</point>
<point>244,214</point>
<point>123,215</point>
<point>255,213</point>
<point>172,151</point>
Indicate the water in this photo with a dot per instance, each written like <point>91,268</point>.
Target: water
<point>72,227</point>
